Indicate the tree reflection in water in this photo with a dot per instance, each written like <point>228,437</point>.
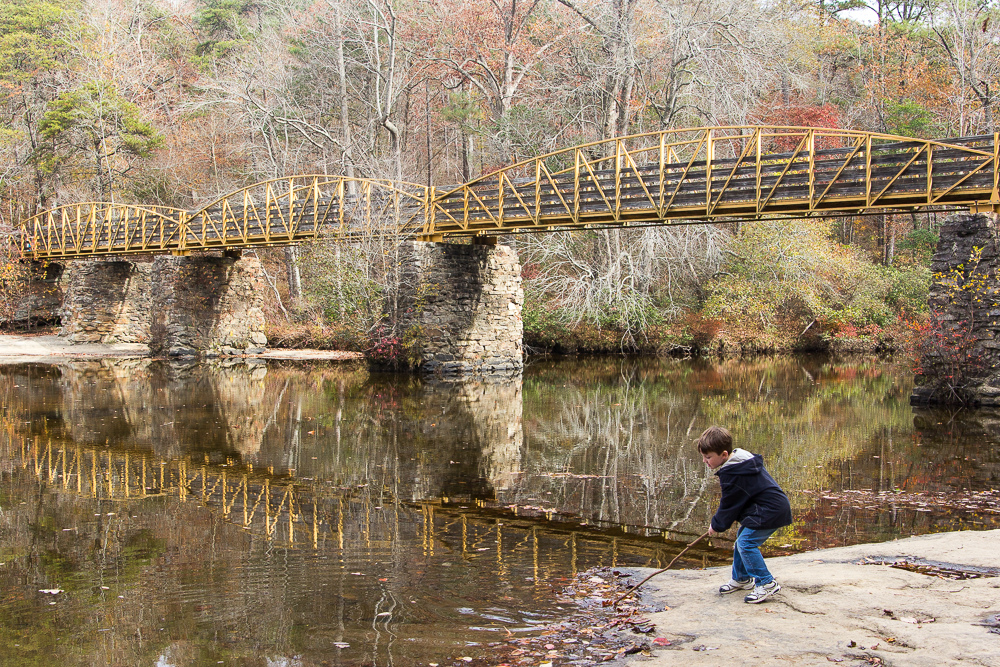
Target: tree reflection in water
<point>201,512</point>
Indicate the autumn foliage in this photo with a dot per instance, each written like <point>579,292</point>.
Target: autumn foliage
<point>802,114</point>
<point>177,103</point>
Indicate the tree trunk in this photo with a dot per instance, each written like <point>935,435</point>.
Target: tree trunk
<point>347,157</point>
<point>294,275</point>
<point>891,246</point>
<point>466,175</point>
<point>339,281</point>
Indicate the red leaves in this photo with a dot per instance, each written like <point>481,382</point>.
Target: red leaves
<point>799,114</point>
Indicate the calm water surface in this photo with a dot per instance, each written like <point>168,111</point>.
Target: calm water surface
<point>251,514</point>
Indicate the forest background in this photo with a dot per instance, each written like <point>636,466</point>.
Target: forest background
<point>177,102</point>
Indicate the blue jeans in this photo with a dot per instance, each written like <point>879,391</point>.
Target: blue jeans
<point>747,561</point>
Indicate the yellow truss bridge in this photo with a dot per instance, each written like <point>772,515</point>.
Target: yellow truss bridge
<point>671,177</point>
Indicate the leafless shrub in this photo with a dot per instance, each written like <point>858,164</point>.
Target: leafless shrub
<point>624,278</point>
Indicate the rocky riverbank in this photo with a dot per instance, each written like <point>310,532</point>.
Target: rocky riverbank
<point>932,600</point>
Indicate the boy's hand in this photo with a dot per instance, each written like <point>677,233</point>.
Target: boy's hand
<point>711,532</point>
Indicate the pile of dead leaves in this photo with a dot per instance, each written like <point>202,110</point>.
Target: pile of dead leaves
<point>595,633</point>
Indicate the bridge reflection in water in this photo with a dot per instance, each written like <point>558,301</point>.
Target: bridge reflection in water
<point>310,514</point>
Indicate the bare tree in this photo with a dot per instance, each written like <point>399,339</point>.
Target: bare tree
<point>715,62</point>
<point>382,52</point>
<point>970,38</point>
<point>492,51</point>
<point>614,21</point>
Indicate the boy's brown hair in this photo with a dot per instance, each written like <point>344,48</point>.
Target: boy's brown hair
<point>715,440</point>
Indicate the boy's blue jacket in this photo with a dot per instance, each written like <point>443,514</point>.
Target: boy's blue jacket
<point>751,496</point>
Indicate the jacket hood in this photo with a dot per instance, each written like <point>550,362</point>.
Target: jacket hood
<point>742,462</point>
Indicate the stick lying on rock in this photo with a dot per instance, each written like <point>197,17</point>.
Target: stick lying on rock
<point>669,565</point>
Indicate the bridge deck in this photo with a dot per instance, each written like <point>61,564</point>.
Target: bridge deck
<point>669,177</point>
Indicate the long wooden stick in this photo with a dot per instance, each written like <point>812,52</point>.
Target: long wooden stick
<point>669,565</point>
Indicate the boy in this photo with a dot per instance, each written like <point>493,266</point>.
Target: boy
<point>752,497</point>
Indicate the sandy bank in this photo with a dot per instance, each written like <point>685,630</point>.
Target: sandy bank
<point>43,348</point>
<point>21,349</point>
<point>835,609</point>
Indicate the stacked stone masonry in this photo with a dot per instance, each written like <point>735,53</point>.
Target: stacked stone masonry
<point>106,301</point>
<point>43,298</point>
<point>176,305</point>
<point>960,354</point>
<point>462,304</point>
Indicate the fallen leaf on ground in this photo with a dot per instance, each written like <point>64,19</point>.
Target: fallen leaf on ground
<point>914,620</point>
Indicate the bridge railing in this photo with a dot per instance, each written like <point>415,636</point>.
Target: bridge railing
<point>273,212</point>
<point>291,209</point>
<point>96,228</point>
<point>722,172</point>
<point>673,176</point>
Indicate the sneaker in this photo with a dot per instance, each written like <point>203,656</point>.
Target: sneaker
<point>734,585</point>
<point>761,593</point>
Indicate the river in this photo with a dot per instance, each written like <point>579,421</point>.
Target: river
<point>243,513</point>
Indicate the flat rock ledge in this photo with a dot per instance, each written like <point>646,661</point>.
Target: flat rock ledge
<point>837,607</point>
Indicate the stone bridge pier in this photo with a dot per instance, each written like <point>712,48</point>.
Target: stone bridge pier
<point>959,353</point>
<point>461,308</point>
<point>176,305</point>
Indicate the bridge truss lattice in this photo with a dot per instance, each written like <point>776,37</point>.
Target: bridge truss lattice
<point>671,177</point>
